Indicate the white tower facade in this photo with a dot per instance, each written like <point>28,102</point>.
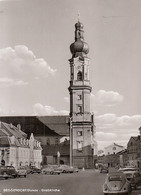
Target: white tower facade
<point>81,119</point>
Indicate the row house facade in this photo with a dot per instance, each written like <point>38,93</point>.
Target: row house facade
<point>17,149</point>
<point>133,150</point>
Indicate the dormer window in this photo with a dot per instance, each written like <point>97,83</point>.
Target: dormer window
<point>79,76</point>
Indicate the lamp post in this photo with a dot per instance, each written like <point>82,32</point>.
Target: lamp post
<point>70,141</point>
<point>58,158</point>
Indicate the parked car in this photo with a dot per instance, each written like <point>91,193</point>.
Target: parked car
<point>4,172</point>
<point>75,169</point>
<point>134,178</point>
<point>11,171</point>
<point>116,183</point>
<point>123,169</point>
<point>34,169</point>
<point>52,169</point>
<point>103,169</point>
<point>67,169</point>
<point>8,171</point>
<point>21,171</point>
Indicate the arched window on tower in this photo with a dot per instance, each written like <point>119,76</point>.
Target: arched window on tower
<point>79,76</point>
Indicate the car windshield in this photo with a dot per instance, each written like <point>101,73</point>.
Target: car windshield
<point>115,178</point>
<point>21,168</point>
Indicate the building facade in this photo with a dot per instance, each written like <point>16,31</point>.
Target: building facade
<point>133,150</point>
<point>113,149</point>
<point>81,119</point>
<point>16,149</point>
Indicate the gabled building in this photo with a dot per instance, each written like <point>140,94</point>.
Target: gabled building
<point>113,149</point>
<point>51,131</point>
<point>16,148</point>
<point>133,150</point>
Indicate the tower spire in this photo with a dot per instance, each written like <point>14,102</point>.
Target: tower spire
<point>78,15</point>
<point>79,47</point>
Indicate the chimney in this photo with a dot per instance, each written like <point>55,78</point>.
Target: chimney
<point>19,127</point>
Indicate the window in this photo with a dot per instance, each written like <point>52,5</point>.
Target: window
<point>79,133</point>
<point>79,76</point>
<point>79,97</point>
<point>79,146</point>
<point>79,108</point>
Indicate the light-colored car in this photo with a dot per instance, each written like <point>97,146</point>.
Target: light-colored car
<point>52,170</point>
<point>21,171</point>
<point>125,169</point>
<point>67,169</point>
<point>134,178</point>
<point>116,183</point>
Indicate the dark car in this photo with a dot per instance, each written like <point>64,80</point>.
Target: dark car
<point>134,178</point>
<point>3,172</point>
<point>103,169</point>
<point>12,171</point>
<point>35,170</point>
<point>8,171</point>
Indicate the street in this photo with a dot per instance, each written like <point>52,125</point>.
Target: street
<point>88,182</point>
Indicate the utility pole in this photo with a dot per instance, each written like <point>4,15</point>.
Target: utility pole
<point>70,141</point>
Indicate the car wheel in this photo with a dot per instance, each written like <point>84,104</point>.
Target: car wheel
<point>24,175</point>
<point>6,178</point>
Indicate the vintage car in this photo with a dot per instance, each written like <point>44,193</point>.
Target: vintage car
<point>52,169</point>
<point>116,183</point>
<point>67,169</point>
<point>125,169</point>
<point>103,169</point>
<point>134,177</point>
<point>3,172</point>
<point>21,171</point>
<point>34,169</point>
<point>8,171</point>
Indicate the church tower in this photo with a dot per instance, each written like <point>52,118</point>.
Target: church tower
<point>81,123</point>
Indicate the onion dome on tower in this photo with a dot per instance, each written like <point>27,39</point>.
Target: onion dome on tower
<point>79,47</point>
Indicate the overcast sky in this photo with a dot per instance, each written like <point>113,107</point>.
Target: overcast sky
<point>35,36</point>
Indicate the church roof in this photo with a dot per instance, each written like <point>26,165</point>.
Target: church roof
<point>40,125</point>
<point>53,149</point>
